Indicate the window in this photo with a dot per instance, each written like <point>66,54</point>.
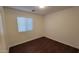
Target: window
<point>24,24</point>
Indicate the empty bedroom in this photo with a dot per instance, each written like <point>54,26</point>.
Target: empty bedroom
<point>39,29</point>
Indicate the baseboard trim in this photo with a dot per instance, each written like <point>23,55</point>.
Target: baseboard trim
<point>25,41</point>
<point>61,42</point>
<point>41,37</point>
<point>58,46</point>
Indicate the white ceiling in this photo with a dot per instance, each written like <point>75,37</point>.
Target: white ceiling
<point>41,11</point>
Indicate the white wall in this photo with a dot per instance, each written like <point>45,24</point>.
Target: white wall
<point>13,36</point>
<point>63,26</point>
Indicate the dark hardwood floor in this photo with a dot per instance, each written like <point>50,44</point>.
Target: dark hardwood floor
<point>42,45</point>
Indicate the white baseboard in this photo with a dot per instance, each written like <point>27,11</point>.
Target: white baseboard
<point>39,37</point>
<point>25,41</point>
<point>62,42</point>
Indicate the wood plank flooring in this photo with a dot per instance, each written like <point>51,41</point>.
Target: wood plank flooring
<point>43,45</point>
